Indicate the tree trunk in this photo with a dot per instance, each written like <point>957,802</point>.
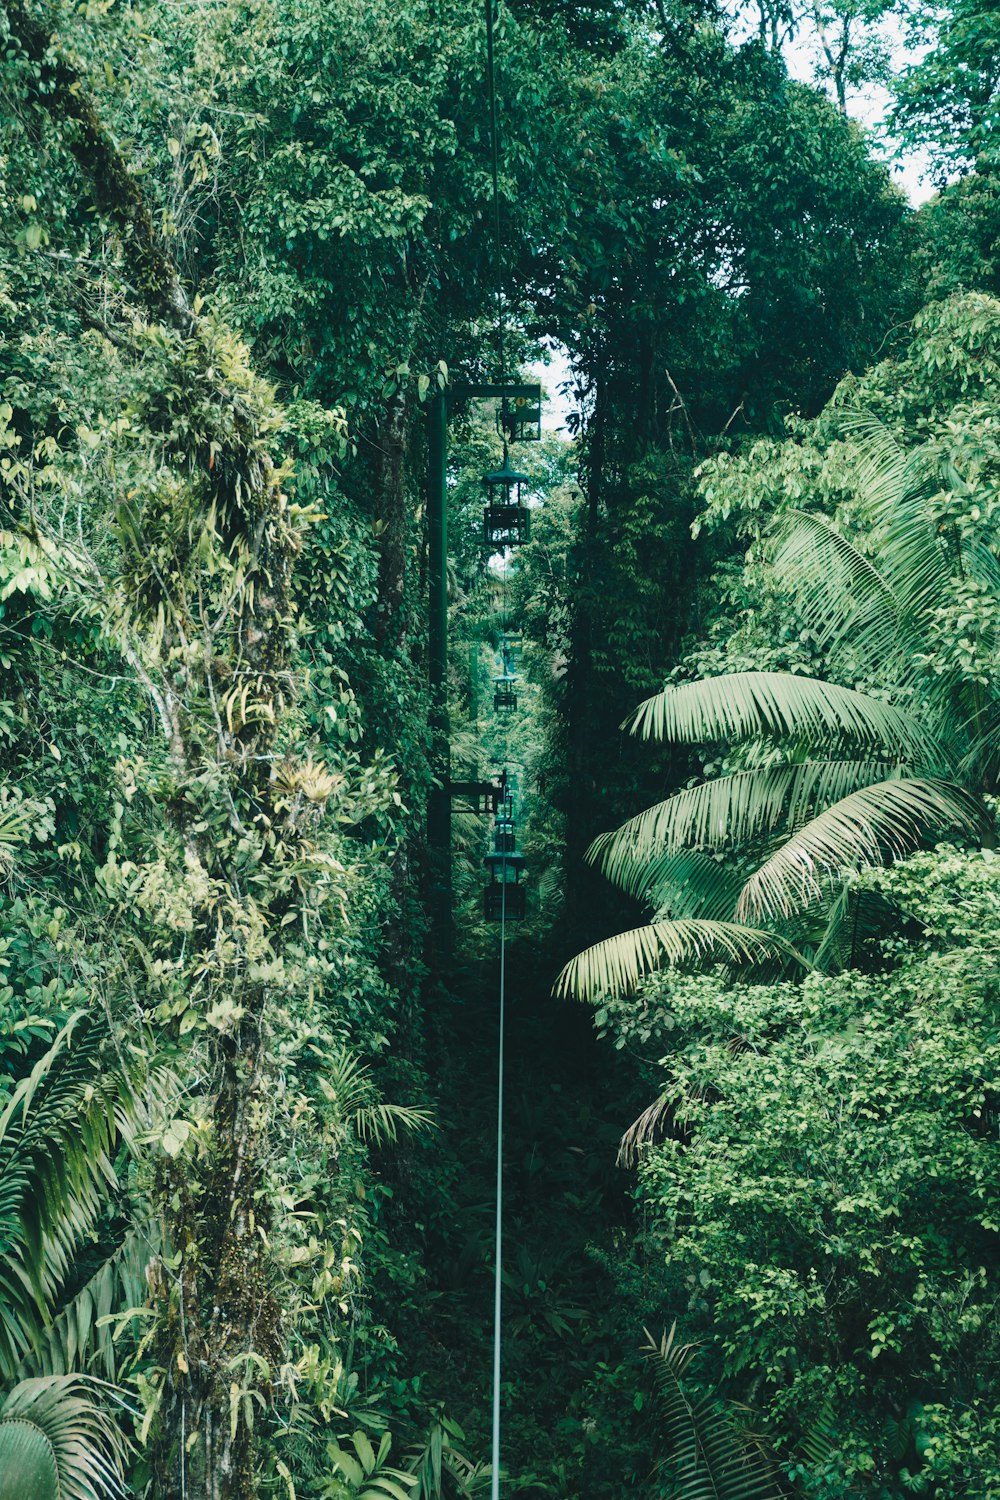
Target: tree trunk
<point>219,1339</point>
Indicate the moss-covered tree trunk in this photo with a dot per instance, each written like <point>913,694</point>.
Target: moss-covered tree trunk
<point>205,573</point>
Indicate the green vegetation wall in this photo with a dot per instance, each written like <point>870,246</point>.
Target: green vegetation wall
<point>241,244</point>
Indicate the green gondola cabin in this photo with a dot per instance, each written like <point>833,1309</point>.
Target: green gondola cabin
<point>504,696</point>
<point>506,519</point>
<point>504,897</point>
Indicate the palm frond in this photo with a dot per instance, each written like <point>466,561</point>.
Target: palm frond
<point>884,464</point>
<point>618,965</point>
<point>649,1127</point>
<point>867,827</point>
<point>898,489</point>
<point>348,1084</point>
<point>709,1458</point>
<point>840,594</point>
<point>783,706</point>
<point>15,822</point>
<point>692,884</point>
<point>726,813</point>
<point>854,918</point>
<point>914,555</point>
<point>378,1122</point>
<point>57,1134</point>
<point>57,1443</point>
<point>78,1338</point>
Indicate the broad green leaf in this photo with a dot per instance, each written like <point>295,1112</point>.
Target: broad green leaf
<point>618,965</point>
<point>868,827</point>
<point>787,708</point>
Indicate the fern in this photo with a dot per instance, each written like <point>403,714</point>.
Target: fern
<point>710,1459</point>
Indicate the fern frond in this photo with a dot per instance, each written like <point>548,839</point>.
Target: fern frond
<point>708,1456</point>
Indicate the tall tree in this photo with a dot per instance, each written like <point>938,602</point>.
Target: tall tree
<point>822,777</point>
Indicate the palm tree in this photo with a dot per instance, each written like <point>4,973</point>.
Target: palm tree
<point>57,1135</point>
<point>57,1443</point>
<point>750,866</point>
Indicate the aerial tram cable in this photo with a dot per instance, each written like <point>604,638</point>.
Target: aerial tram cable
<point>509,861</point>
<point>491,84</point>
<point>507,525</point>
<point>502,1006</point>
<point>498,1240</point>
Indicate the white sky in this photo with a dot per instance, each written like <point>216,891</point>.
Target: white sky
<point>871,105</point>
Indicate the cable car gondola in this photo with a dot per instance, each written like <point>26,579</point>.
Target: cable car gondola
<point>504,696</point>
<point>506,521</point>
<point>504,897</point>
<point>504,836</point>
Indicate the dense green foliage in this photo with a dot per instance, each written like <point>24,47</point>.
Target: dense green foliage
<point>246,1106</point>
<point>824,1203</point>
<point>873,553</point>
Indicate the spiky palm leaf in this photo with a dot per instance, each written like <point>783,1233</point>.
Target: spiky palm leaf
<point>836,931</point>
<point>883,463</point>
<point>348,1084</point>
<point>885,605</point>
<point>918,554</point>
<point>691,884</point>
<point>743,706</point>
<point>57,1134</point>
<point>618,964</point>
<point>862,779</point>
<point>81,1336</point>
<point>882,604</point>
<point>710,1459</point>
<point>726,813</point>
<point>648,1127</point>
<point>850,612</point>
<point>15,822</point>
<point>855,602</point>
<point>888,819</point>
<point>58,1443</point>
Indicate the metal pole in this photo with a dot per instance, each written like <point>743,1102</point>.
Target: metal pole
<point>498,1221</point>
<point>439,804</point>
